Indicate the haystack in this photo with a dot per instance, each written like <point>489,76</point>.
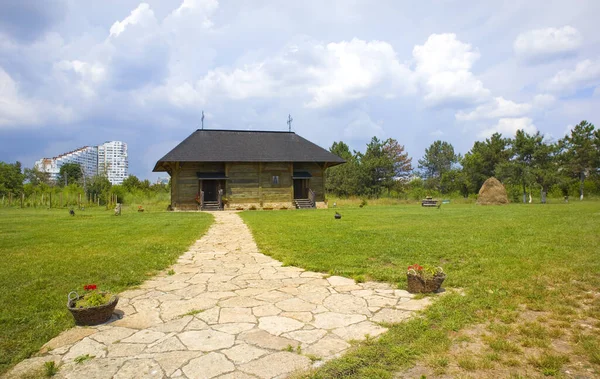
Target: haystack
<point>492,192</point>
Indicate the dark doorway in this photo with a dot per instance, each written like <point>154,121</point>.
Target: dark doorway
<point>300,188</point>
<point>210,188</point>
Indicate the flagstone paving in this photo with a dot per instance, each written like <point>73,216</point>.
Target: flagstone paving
<point>227,312</point>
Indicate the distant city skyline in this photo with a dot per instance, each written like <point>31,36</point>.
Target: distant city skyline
<point>109,158</point>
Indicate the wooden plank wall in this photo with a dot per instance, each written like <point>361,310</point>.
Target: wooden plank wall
<point>317,182</point>
<point>186,181</point>
<point>248,183</point>
<point>276,193</point>
<point>242,186</point>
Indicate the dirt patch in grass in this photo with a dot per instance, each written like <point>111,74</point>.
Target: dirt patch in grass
<point>535,344</point>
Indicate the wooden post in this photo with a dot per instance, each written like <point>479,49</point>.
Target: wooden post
<point>291,166</point>
<point>22,198</point>
<point>260,195</point>
<point>50,200</point>
<point>79,200</point>
<point>9,199</point>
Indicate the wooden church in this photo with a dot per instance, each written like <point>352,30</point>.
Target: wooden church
<point>234,169</point>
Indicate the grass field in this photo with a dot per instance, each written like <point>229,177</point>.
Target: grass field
<point>47,253</point>
<point>530,276</point>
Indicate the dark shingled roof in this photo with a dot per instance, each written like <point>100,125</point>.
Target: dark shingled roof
<point>247,146</point>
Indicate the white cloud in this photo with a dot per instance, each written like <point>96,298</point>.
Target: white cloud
<point>543,101</point>
<point>362,127</point>
<point>240,83</point>
<point>350,70</point>
<point>89,75</point>
<point>508,127</point>
<point>321,75</point>
<point>498,107</point>
<point>198,10</point>
<point>14,109</point>
<point>547,43</point>
<point>437,133</point>
<point>18,110</point>
<point>443,65</point>
<point>140,15</point>
<point>596,92</point>
<point>585,74</point>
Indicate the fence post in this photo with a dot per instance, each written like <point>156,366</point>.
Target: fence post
<point>50,202</point>
<point>79,201</point>
<point>22,198</point>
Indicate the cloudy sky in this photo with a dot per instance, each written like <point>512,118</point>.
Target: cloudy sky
<point>75,73</point>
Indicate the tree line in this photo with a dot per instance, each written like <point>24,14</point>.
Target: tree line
<point>524,163</point>
<point>33,184</point>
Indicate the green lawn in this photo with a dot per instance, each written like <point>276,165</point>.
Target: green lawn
<point>539,258</point>
<point>47,253</point>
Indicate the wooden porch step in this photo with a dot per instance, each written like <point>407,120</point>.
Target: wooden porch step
<point>303,204</point>
<point>211,206</point>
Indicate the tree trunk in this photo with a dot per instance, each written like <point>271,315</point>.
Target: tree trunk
<point>582,178</point>
<point>544,191</point>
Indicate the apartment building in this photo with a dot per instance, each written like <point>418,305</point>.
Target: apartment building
<point>109,158</point>
<point>112,161</point>
<point>86,157</point>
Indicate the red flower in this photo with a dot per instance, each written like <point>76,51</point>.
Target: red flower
<point>89,287</point>
<point>415,267</point>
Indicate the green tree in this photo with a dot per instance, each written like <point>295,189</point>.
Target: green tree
<point>69,173</point>
<point>455,180</point>
<point>100,186</point>
<point>35,177</point>
<point>438,159</point>
<point>580,152</point>
<point>343,180</point>
<point>11,178</point>
<point>401,163</point>
<point>377,166</point>
<point>518,170</point>
<point>481,161</point>
<point>131,183</point>
<point>545,166</point>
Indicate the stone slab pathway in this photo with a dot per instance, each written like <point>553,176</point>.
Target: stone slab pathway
<point>227,312</point>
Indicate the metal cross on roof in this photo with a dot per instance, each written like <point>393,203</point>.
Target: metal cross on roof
<point>202,119</point>
<point>289,122</point>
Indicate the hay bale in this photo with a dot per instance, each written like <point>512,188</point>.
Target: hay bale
<point>492,192</point>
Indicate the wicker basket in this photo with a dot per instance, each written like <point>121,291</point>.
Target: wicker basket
<point>416,284</point>
<point>91,315</point>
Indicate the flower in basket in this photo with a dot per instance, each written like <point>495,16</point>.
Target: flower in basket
<point>92,297</point>
<point>93,306</point>
<point>424,279</point>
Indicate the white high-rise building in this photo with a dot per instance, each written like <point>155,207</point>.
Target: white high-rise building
<point>112,161</point>
<point>86,157</point>
<point>108,159</point>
